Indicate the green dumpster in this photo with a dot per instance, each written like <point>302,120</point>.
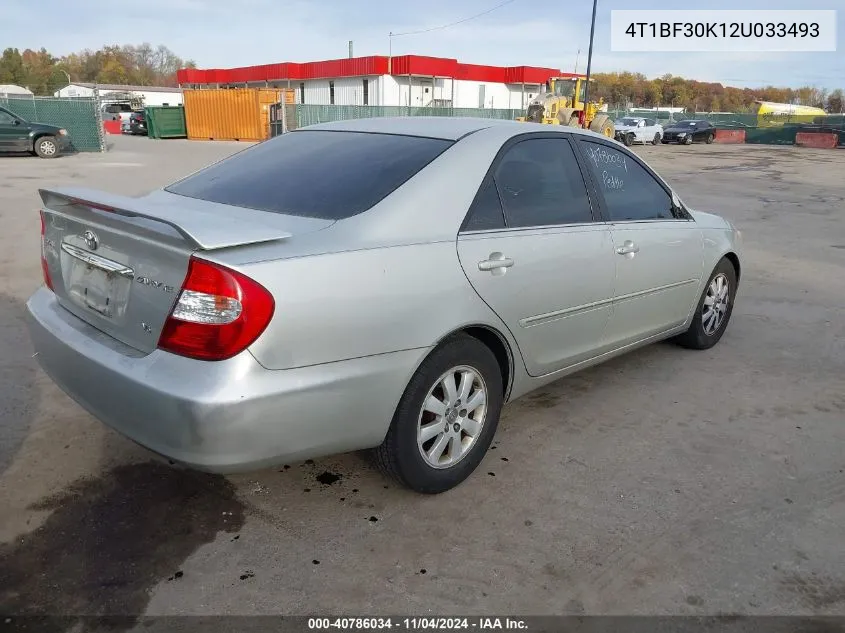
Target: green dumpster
<point>166,122</point>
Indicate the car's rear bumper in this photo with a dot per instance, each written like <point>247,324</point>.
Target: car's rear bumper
<point>225,416</point>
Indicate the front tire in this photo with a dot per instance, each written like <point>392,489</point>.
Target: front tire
<point>602,124</point>
<point>46,147</point>
<point>688,140</point>
<point>714,309</point>
<point>446,418</point>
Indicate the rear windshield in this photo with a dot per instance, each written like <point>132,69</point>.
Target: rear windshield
<point>315,174</point>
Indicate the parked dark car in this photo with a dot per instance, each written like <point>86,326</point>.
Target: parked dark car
<point>689,132</point>
<point>19,135</point>
<point>137,124</point>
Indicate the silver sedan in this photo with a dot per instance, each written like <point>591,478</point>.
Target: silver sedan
<point>381,284</point>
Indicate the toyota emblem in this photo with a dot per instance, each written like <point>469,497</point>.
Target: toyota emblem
<point>91,240</point>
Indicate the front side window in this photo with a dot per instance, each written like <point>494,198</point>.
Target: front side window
<point>287,174</point>
<point>630,192</point>
<point>6,118</point>
<point>541,184</point>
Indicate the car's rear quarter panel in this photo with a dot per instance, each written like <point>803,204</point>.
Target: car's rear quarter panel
<point>346,305</point>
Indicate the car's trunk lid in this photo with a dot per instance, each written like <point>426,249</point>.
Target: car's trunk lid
<point>119,262</point>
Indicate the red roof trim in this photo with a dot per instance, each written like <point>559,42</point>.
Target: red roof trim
<point>417,65</point>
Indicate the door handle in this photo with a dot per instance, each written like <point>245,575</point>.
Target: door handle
<point>495,262</point>
<point>628,248</point>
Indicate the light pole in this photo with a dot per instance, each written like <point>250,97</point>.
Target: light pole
<point>590,61</point>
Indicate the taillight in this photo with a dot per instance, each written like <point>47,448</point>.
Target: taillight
<point>45,269</point>
<point>219,313</point>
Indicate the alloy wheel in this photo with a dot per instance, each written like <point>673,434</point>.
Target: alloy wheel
<point>715,307</point>
<point>452,417</point>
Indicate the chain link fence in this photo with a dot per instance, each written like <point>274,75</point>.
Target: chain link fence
<point>79,116</point>
<point>284,118</point>
<point>761,130</point>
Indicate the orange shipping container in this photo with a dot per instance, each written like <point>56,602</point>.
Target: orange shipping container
<point>241,114</point>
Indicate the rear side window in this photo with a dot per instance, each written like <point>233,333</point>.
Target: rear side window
<point>541,184</point>
<point>315,174</point>
<point>486,212</point>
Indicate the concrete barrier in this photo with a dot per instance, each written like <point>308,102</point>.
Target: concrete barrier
<point>729,136</point>
<point>112,127</point>
<point>817,140</point>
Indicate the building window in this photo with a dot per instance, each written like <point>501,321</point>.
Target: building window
<point>331,92</point>
<point>366,92</point>
<point>302,92</point>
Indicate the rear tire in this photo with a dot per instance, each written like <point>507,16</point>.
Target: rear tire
<point>46,147</point>
<point>713,311</point>
<point>709,139</point>
<point>656,140</point>
<point>435,441</point>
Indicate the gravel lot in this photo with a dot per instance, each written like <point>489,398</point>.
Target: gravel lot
<point>664,482</point>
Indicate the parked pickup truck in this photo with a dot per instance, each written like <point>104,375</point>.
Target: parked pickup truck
<point>19,135</point>
<point>630,130</point>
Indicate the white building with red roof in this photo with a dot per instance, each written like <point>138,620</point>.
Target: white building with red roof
<point>407,80</point>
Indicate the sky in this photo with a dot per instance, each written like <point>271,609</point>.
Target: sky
<point>227,33</point>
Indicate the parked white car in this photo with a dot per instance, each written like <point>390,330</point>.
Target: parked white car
<point>630,130</point>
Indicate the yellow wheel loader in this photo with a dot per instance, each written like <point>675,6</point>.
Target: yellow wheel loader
<point>563,104</point>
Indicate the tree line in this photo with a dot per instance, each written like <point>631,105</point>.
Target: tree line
<point>44,73</point>
<point>625,89</point>
<point>146,65</point>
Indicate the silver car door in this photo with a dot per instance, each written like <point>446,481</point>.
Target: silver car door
<point>532,250</point>
<point>658,248</point>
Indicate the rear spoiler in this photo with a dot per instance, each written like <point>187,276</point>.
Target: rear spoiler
<point>205,226</point>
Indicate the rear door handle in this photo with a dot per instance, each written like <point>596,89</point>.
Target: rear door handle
<point>495,262</point>
<point>628,248</point>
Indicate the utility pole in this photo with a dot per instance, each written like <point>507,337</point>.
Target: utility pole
<point>350,49</point>
<point>577,57</point>
<point>590,61</point>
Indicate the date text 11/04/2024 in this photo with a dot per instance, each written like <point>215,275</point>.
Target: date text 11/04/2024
<point>722,29</point>
<point>416,624</point>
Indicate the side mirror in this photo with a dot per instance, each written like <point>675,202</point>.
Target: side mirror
<point>17,121</point>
